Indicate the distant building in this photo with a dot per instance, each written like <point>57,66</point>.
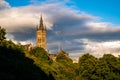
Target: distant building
<point>61,51</point>
<point>28,46</point>
<point>53,56</point>
<point>75,61</point>
<point>41,35</point>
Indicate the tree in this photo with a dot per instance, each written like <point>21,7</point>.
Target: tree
<point>63,57</point>
<point>2,33</point>
<point>66,68</point>
<point>108,67</point>
<point>87,65</point>
<point>104,68</point>
<point>41,54</point>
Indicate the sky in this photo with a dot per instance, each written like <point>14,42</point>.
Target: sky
<point>76,26</point>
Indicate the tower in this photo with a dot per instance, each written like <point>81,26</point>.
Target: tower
<point>41,35</point>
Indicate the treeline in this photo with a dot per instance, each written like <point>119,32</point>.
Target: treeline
<point>16,63</point>
<point>104,68</point>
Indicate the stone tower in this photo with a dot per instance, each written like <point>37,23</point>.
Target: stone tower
<point>41,35</point>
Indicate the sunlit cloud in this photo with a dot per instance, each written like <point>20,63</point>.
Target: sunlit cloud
<point>98,49</point>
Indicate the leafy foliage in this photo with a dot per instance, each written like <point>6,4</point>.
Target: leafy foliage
<point>63,58</point>
<point>66,67</point>
<point>112,67</point>
<point>105,68</point>
<point>41,54</point>
<point>2,33</point>
<point>87,64</point>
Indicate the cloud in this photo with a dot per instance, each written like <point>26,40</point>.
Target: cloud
<point>75,31</point>
<point>100,48</point>
<point>22,17</point>
<point>4,5</point>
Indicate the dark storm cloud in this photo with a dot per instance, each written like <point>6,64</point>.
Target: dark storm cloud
<point>26,34</point>
<point>106,36</point>
<point>69,20</point>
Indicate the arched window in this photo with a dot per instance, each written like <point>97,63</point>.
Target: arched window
<point>39,40</point>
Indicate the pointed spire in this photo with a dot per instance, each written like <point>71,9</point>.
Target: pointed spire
<point>41,23</point>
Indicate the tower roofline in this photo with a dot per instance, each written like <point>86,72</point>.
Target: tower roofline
<point>41,25</point>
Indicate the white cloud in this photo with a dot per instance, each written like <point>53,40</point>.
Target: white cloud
<point>4,5</point>
<point>18,18</point>
<point>99,25</point>
<point>100,48</point>
<point>27,41</point>
<point>97,49</point>
<point>102,27</point>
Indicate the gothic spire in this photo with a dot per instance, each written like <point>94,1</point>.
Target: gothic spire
<point>41,23</point>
